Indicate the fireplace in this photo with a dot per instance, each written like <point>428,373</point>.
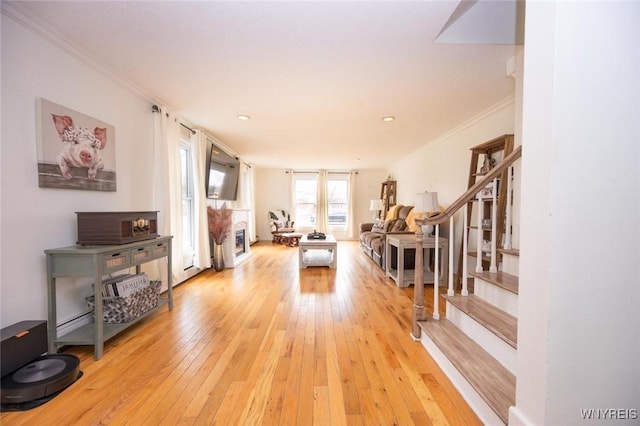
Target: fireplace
<point>236,247</point>
<point>241,236</point>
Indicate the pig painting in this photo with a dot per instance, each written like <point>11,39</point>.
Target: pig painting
<point>81,147</point>
<point>75,150</point>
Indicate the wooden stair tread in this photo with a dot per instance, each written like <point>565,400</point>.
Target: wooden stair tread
<point>501,279</point>
<point>485,258</point>
<point>493,382</point>
<point>496,320</point>
<point>512,252</point>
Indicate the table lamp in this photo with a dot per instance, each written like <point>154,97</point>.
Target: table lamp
<point>426,202</point>
<point>376,206</point>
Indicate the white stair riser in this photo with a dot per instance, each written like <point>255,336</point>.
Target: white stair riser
<point>470,395</point>
<point>510,264</point>
<point>494,345</point>
<point>497,296</point>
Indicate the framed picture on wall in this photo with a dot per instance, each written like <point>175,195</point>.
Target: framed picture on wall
<point>75,151</point>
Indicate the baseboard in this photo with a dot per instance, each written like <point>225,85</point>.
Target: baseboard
<point>74,323</point>
<point>517,418</point>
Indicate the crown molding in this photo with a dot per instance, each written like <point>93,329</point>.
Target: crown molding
<point>506,102</point>
<point>25,17</point>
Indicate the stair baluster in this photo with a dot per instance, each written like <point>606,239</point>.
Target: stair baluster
<point>494,226</point>
<point>451,291</point>
<point>436,272</point>
<point>465,251</point>
<point>479,267</point>
<point>509,212</point>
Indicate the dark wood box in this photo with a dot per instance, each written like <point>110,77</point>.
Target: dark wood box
<point>22,343</point>
<point>105,228</point>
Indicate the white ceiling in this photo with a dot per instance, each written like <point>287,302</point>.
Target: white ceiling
<point>315,77</point>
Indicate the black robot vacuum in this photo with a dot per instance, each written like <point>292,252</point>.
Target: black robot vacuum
<point>30,379</point>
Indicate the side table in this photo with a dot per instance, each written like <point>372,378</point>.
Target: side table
<point>401,242</point>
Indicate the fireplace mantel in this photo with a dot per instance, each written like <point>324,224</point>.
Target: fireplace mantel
<point>237,249</point>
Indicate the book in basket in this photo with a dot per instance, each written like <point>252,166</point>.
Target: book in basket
<point>131,284</point>
<point>124,285</point>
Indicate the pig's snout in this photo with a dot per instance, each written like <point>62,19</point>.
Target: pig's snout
<point>86,156</point>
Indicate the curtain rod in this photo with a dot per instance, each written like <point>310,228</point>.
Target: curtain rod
<point>331,173</point>
<point>193,132</point>
<point>156,108</point>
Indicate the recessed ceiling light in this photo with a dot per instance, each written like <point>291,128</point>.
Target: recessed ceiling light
<point>243,117</point>
<point>388,118</point>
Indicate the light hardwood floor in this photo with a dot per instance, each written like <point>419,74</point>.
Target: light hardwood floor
<point>265,344</point>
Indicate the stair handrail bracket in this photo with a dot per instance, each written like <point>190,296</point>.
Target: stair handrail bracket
<point>419,310</point>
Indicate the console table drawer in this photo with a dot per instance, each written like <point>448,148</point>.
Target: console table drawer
<point>113,262</point>
<point>159,250</point>
<point>140,255</point>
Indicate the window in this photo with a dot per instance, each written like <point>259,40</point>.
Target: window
<point>306,194</point>
<point>306,189</point>
<point>188,203</point>
<point>337,194</point>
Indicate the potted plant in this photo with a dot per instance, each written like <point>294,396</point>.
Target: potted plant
<point>219,221</point>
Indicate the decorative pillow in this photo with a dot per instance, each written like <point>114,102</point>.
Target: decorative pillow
<point>411,220</point>
<point>276,225</point>
<point>398,225</point>
<point>393,212</point>
<point>379,226</point>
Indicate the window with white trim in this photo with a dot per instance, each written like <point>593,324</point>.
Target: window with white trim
<point>306,195</point>
<point>337,195</point>
<point>188,203</point>
<point>306,190</point>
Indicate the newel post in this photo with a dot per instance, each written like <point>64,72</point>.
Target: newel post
<point>419,310</point>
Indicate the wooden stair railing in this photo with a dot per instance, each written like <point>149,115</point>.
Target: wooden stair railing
<point>419,310</point>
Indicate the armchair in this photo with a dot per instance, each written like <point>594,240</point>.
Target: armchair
<point>281,223</point>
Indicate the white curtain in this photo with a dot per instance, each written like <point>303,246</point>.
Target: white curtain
<point>351,207</point>
<point>167,194</point>
<point>202,257</point>
<point>247,197</point>
<point>322,202</point>
<point>292,195</point>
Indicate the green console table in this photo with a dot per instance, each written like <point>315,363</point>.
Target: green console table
<point>96,262</point>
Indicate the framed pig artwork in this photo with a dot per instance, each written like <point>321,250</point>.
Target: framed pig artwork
<point>75,151</point>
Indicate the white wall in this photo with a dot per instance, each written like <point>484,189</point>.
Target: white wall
<point>272,193</point>
<point>33,218</point>
<point>578,327</point>
<point>443,165</point>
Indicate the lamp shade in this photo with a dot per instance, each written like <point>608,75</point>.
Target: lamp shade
<point>375,205</point>
<point>427,202</point>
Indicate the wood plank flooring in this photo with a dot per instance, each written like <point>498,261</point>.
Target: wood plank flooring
<point>266,344</point>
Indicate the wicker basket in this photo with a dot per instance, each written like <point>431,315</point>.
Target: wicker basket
<point>117,310</point>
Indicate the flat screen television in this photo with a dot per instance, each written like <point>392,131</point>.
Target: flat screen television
<point>222,174</point>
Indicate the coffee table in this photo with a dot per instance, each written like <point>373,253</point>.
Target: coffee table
<point>318,252</point>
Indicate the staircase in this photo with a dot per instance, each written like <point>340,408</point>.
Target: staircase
<point>476,344</point>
